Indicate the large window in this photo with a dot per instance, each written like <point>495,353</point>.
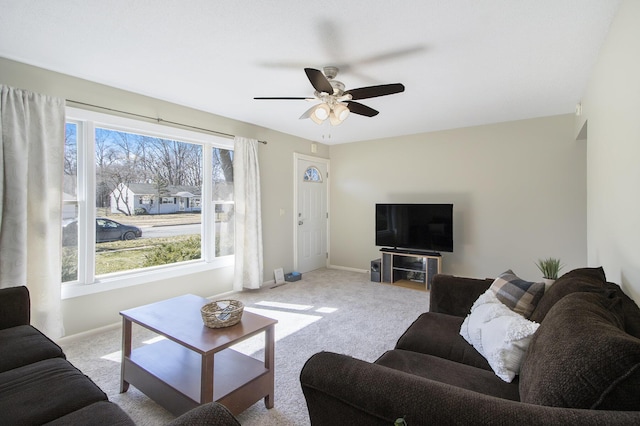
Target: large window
<point>139,198</point>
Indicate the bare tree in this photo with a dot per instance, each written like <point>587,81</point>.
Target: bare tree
<point>70,177</point>
<point>223,164</point>
<point>105,157</point>
<point>173,160</point>
<point>160,185</point>
<point>70,150</point>
<point>222,175</point>
<point>119,179</point>
<point>193,169</point>
<point>116,168</point>
<point>132,149</point>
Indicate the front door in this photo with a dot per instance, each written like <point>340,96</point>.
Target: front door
<point>312,213</point>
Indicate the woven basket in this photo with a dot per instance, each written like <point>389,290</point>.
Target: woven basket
<point>222,313</point>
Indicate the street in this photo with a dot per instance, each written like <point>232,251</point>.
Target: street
<point>170,231</point>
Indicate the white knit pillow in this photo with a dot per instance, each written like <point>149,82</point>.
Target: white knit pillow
<point>499,334</point>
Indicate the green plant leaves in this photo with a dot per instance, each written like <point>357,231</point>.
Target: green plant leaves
<point>550,267</point>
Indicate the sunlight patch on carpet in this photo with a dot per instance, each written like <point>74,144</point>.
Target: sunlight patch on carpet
<point>154,340</point>
<point>291,306</point>
<point>288,323</point>
<point>117,355</point>
<point>113,356</point>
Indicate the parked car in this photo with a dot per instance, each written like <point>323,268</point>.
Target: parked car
<point>106,230</point>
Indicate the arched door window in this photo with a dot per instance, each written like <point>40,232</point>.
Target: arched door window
<point>312,174</point>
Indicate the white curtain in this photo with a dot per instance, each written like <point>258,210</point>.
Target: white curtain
<point>248,235</point>
<point>31,158</point>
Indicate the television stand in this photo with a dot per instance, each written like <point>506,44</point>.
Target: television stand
<point>410,268</point>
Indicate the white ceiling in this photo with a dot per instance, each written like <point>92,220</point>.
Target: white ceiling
<point>463,62</point>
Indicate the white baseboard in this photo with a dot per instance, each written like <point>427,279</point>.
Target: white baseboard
<point>88,333</point>
<point>345,268</point>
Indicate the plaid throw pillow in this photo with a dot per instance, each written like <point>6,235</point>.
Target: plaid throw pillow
<point>519,295</point>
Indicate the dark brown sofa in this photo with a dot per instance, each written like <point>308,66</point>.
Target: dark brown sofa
<point>39,386</point>
<point>582,366</point>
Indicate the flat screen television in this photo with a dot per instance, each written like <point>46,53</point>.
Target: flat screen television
<point>424,227</point>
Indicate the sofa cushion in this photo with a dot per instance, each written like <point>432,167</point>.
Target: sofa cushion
<point>583,279</point>
<point>438,334</point>
<point>454,295</point>
<point>24,345</point>
<point>43,391</point>
<point>449,372</point>
<point>581,358</point>
<point>16,307</point>
<point>210,414</point>
<point>519,295</point>
<point>628,309</point>
<point>98,413</point>
<point>501,335</point>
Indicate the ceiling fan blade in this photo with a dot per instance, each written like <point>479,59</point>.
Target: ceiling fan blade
<point>319,81</point>
<point>358,108</point>
<point>390,55</point>
<point>307,113</point>
<point>282,99</point>
<point>374,91</point>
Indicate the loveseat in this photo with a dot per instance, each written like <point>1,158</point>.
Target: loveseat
<point>39,386</point>
<point>581,365</point>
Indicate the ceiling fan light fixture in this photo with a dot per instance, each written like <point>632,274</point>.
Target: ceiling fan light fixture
<point>320,113</point>
<point>334,120</point>
<point>341,111</point>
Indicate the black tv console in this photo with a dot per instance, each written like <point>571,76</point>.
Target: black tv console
<point>410,268</point>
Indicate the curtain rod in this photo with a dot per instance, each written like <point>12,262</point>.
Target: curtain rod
<point>158,119</point>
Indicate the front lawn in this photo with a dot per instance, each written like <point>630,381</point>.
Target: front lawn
<point>117,256</point>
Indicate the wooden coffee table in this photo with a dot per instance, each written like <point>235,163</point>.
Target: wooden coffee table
<point>194,364</point>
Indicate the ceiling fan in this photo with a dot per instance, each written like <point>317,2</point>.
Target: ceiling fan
<point>336,103</point>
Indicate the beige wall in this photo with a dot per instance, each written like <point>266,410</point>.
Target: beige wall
<point>276,170</point>
<point>518,190</point>
<point>611,110</point>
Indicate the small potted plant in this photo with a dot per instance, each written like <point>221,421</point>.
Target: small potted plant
<point>550,268</point>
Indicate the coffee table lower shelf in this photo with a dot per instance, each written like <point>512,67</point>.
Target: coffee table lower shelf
<point>170,374</point>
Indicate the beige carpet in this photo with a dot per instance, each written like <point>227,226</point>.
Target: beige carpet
<point>328,310</point>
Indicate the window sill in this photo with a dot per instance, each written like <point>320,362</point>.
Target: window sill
<point>113,282</point>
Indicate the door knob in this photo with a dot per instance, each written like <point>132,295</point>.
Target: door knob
<point>299,222</point>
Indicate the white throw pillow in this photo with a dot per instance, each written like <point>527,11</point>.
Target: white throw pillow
<point>499,334</point>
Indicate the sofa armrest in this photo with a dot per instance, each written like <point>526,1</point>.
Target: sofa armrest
<point>211,414</point>
<point>455,295</point>
<point>345,390</point>
<point>15,307</point>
